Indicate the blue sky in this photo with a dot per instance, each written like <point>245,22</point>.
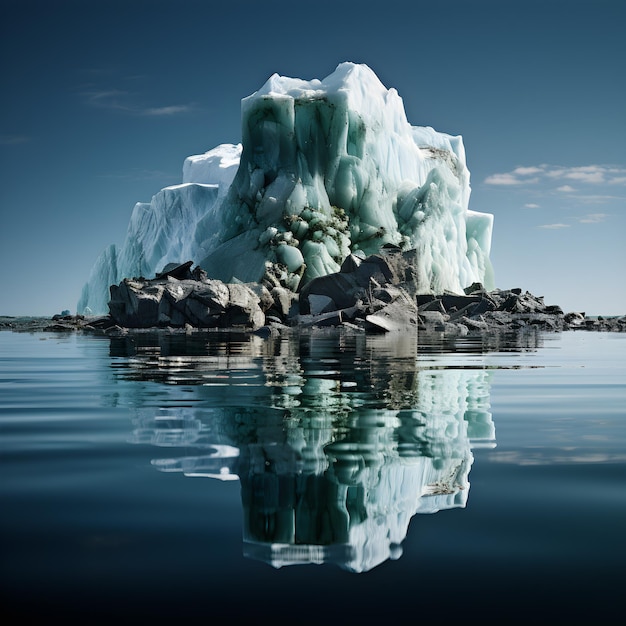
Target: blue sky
<point>103,100</point>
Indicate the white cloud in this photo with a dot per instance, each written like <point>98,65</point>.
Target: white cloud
<point>554,226</point>
<point>527,171</point>
<point>593,218</point>
<point>502,179</point>
<point>531,205</point>
<point>584,174</point>
<point>566,189</point>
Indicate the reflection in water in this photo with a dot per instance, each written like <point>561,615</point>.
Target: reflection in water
<point>338,439</point>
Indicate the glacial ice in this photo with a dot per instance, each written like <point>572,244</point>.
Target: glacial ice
<point>324,168</point>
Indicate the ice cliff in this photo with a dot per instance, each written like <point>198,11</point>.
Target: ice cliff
<point>325,168</point>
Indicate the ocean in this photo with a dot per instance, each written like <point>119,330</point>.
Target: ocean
<point>317,477</point>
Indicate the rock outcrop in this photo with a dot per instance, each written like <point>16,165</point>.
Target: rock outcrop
<point>374,293</point>
<point>377,293</point>
<point>179,297</point>
<point>481,311</point>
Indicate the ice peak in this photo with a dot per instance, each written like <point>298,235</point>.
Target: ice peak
<point>328,167</point>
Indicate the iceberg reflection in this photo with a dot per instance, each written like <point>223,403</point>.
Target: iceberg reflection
<point>337,440</point>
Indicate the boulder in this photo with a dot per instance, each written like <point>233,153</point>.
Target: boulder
<point>376,293</point>
<point>399,314</point>
<point>175,270</point>
<point>284,301</point>
<point>178,302</point>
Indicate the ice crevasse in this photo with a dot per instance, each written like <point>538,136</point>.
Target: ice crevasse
<point>325,168</point>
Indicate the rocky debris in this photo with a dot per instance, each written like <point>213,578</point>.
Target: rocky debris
<point>65,322</point>
<point>377,293</point>
<point>178,297</point>
<point>180,271</point>
<point>374,293</point>
<point>380,293</point>
<point>480,311</point>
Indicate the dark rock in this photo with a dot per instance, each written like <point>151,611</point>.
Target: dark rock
<point>285,303</point>
<point>266,301</point>
<point>374,267</point>
<point>473,309</point>
<point>333,318</point>
<point>574,319</point>
<point>100,322</point>
<point>455,329</point>
<point>351,263</point>
<point>175,270</point>
<point>424,299</point>
<point>553,309</point>
<point>475,289</point>
<point>377,292</point>
<point>388,294</point>
<point>432,305</point>
<point>432,318</point>
<point>342,288</point>
<point>319,303</point>
<point>399,314</point>
<point>456,302</point>
<point>473,324</point>
<point>168,301</point>
<point>58,327</point>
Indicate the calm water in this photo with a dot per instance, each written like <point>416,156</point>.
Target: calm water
<point>318,479</point>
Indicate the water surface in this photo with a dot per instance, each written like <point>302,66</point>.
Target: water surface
<point>322,477</point>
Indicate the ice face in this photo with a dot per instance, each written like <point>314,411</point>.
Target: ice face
<point>217,166</point>
<point>325,168</point>
<point>162,231</point>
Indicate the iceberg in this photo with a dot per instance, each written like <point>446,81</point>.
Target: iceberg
<point>162,231</point>
<point>325,169</point>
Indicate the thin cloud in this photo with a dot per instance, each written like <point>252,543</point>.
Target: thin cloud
<point>504,179</point>
<point>117,100</point>
<point>170,110</point>
<point>566,189</point>
<point>13,140</point>
<point>107,99</point>
<point>554,226</point>
<point>532,205</point>
<point>597,199</point>
<point>585,174</point>
<point>141,174</point>
<point>593,218</point>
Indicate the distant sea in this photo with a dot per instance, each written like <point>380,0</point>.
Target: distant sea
<point>314,478</point>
